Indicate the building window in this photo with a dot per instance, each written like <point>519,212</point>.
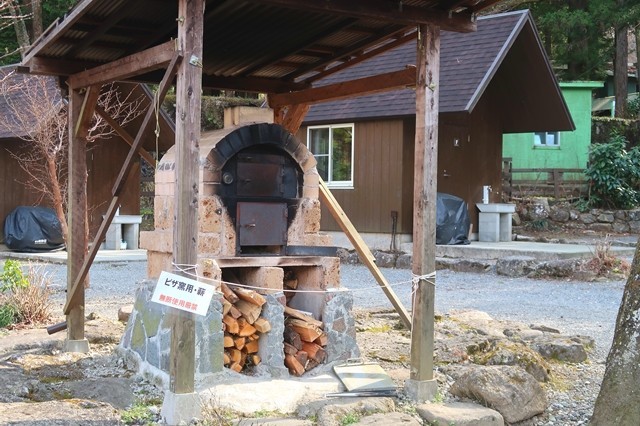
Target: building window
<point>546,139</point>
<point>333,148</point>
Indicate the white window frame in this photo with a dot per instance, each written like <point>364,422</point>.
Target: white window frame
<point>343,184</point>
<point>543,138</point>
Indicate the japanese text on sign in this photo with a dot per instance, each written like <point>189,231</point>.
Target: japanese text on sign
<point>182,293</point>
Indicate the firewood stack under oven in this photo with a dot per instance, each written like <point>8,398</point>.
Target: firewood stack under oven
<point>259,243</point>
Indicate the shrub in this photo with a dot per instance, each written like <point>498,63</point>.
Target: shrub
<point>614,174</point>
<point>26,301</point>
<point>12,277</point>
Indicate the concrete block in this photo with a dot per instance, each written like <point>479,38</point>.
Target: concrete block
<point>421,390</point>
<point>330,272</point>
<point>158,262</point>
<point>267,277</point>
<point>77,346</point>
<point>460,414</point>
<point>180,408</point>
<point>238,115</point>
<point>310,210</point>
<point>159,240</point>
<point>165,189</point>
<point>317,239</point>
<point>163,211</point>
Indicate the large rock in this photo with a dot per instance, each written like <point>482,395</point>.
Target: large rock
<point>459,414</point>
<point>563,348</point>
<point>510,353</point>
<point>388,419</point>
<point>512,391</point>
<point>516,266</point>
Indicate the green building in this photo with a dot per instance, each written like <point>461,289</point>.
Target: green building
<point>565,150</point>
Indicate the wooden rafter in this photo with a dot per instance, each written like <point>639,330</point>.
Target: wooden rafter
<point>362,86</point>
<point>149,60</point>
<point>385,11</point>
<point>74,292</point>
<point>362,57</point>
<point>99,30</point>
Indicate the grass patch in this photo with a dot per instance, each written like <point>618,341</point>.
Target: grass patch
<point>138,414</point>
<point>349,419</point>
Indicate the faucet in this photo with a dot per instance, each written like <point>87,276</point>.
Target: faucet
<point>485,194</point>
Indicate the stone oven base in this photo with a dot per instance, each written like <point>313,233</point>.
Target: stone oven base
<point>148,335</point>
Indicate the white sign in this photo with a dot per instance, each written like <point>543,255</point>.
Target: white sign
<point>182,293</point>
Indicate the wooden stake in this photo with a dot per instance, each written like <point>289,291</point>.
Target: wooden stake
<point>424,200</point>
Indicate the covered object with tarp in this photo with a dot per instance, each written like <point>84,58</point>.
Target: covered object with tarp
<point>33,229</point>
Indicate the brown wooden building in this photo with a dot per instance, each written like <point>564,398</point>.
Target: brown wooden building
<point>103,156</point>
<point>493,81</point>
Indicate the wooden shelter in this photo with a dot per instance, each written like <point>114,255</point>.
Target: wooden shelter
<point>279,47</point>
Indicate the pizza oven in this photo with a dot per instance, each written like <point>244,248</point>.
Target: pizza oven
<point>259,226</point>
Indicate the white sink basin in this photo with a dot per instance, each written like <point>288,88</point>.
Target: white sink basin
<point>496,208</point>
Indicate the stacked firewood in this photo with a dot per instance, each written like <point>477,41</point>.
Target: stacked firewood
<point>242,326</point>
<point>304,342</point>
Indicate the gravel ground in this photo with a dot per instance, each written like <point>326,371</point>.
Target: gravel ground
<point>573,307</point>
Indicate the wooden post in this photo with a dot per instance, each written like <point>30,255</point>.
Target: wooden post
<point>424,204</point>
<point>185,242</point>
<point>81,107</point>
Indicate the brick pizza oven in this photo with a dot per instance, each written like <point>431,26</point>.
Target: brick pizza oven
<point>259,225</point>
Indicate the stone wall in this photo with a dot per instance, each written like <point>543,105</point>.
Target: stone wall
<point>538,213</point>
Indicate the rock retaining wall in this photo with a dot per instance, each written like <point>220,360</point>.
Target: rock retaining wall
<point>538,213</point>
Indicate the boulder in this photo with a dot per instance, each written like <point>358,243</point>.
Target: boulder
<point>561,348</point>
<point>508,389</point>
<point>516,266</point>
<point>385,419</point>
<point>385,259</point>
<point>125,312</point>
<point>509,353</point>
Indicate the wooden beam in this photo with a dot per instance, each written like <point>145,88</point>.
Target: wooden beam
<point>294,116</point>
<point>74,292</point>
<point>359,87</point>
<point>140,63</point>
<point>363,251</point>
<point>185,224</point>
<point>385,11</point>
<point>125,135</point>
<point>424,201</point>
<point>362,57</point>
<point>80,112</point>
<point>252,84</point>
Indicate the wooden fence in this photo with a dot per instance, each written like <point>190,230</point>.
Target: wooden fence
<point>548,182</point>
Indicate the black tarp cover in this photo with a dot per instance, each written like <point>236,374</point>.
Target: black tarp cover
<point>32,229</point>
<point>452,220</point>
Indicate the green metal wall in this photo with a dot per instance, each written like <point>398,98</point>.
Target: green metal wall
<point>573,151</point>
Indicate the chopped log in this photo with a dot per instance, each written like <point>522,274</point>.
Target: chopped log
<point>228,341</point>
<point>226,358</point>
<point>307,332</point>
<point>250,296</point>
<point>247,330</point>
<point>243,358</point>
<point>311,364</point>
<point>254,337</point>
<point>236,366</point>
<point>293,365</point>
<point>242,322</point>
<point>255,359</point>
<point>290,349</point>
<point>322,340</point>
<point>301,316</point>
<point>316,352</point>
<point>302,358</point>
<point>239,342</point>
<point>228,293</point>
<point>251,347</point>
<point>293,338</point>
<point>262,325</point>
<point>292,283</point>
<point>235,355</point>
<point>234,312</point>
<point>248,310</point>
<point>226,306</point>
<point>231,324</point>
